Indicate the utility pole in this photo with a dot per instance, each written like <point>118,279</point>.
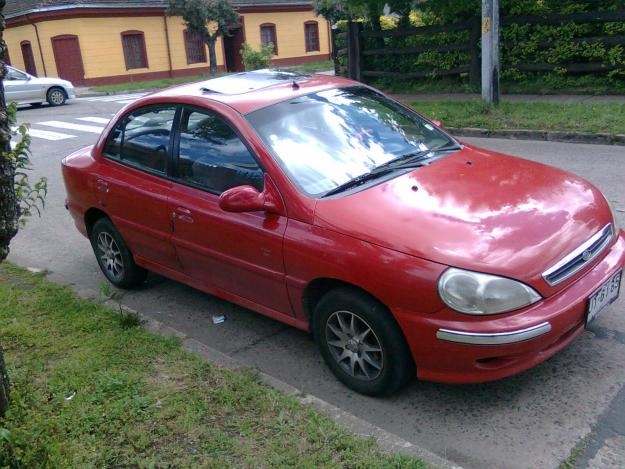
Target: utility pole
<point>490,51</point>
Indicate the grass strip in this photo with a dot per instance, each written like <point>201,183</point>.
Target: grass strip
<point>89,390</point>
<point>575,117</point>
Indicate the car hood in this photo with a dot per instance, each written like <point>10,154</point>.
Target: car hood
<point>476,210</point>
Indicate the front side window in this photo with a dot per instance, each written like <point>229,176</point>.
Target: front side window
<point>212,156</point>
<point>133,43</point>
<point>268,36</point>
<point>311,35</point>
<point>142,138</point>
<point>331,138</point>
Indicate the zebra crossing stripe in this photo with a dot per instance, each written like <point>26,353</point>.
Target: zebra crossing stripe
<point>97,120</point>
<point>47,135</point>
<point>71,126</point>
<point>119,97</point>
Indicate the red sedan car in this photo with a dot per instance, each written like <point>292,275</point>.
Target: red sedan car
<point>322,203</point>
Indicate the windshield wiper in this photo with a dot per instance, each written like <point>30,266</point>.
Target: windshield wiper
<point>358,180</point>
<point>414,159</point>
<point>418,158</point>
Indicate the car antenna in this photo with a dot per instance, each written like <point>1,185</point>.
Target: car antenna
<point>295,85</point>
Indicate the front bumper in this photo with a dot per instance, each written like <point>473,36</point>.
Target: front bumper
<point>494,338</point>
<point>456,348</point>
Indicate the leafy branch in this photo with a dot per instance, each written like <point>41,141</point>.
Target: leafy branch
<point>30,197</point>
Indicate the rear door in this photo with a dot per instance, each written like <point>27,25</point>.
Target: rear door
<point>132,185</point>
<point>237,255</point>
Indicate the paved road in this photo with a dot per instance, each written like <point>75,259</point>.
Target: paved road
<point>533,420</point>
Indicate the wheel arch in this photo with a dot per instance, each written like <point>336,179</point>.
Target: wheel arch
<point>318,288</point>
<point>56,87</point>
<point>91,216</point>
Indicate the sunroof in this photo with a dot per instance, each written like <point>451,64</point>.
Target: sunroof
<point>249,81</point>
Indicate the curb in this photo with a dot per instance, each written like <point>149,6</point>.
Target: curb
<point>388,442</point>
<point>549,136</point>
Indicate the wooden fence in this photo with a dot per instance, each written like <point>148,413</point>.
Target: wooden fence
<point>365,55</point>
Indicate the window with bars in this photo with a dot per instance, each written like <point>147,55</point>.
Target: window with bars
<point>311,34</point>
<point>268,35</point>
<point>194,46</point>
<point>133,43</point>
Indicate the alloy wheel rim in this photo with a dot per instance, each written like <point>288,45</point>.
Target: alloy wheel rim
<point>110,256</point>
<point>354,345</point>
<point>56,97</point>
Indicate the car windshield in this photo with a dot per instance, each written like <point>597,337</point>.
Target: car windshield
<point>327,139</point>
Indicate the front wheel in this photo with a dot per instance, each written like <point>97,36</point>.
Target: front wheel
<point>361,342</point>
<point>114,257</point>
<point>56,97</point>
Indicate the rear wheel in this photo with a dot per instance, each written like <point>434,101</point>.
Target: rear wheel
<point>361,342</point>
<point>114,257</point>
<point>56,96</point>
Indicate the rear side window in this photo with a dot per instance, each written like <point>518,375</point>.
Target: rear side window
<point>212,156</point>
<point>142,138</point>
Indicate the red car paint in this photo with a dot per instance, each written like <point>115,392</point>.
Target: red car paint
<point>474,209</point>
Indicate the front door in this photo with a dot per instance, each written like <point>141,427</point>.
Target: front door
<point>237,255</point>
<point>18,87</point>
<point>68,58</point>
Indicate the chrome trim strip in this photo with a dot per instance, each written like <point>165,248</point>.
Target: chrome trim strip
<point>577,256</point>
<point>495,338</point>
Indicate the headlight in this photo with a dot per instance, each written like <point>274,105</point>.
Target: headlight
<point>475,293</point>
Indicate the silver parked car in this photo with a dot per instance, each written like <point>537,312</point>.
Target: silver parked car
<point>24,88</point>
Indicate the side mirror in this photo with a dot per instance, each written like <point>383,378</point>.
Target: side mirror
<point>250,199</point>
<point>242,199</point>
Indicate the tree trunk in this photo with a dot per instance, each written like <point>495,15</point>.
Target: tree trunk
<point>212,56</point>
<point>9,213</point>
<point>4,386</point>
<point>8,200</point>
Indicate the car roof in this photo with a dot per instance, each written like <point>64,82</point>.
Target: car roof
<point>248,91</point>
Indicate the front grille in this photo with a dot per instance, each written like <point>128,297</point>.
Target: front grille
<point>580,257</point>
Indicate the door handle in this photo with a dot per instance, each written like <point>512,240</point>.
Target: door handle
<point>183,214</point>
<point>101,185</point>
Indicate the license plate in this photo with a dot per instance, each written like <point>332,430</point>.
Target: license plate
<point>606,294</point>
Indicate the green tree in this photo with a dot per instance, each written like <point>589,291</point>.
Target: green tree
<point>8,201</point>
<point>256,59</point>
<point>209,18</point>
<point>331,10</point>
<point>17,197</point>
<point>9,212</point>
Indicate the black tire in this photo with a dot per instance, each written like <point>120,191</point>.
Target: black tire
<point>114,257</point>
<point>361,343</point>
<point>56,96</point>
